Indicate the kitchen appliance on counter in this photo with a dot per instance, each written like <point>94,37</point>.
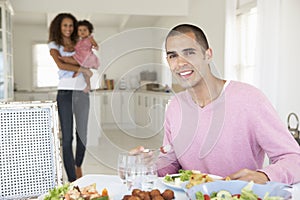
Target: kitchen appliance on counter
<point>122,84</point>
<point>148,80</point>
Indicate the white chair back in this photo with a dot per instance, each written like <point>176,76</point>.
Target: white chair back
<point>30,162</point>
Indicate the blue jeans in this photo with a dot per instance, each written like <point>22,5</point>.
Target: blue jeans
<point>73,105</point>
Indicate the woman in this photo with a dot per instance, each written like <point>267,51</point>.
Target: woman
<point>72,102</point>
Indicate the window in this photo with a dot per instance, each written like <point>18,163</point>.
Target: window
<point>45,69</point>
<point>246,23</point>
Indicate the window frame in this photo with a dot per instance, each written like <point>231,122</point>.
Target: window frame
<point>245,61</point>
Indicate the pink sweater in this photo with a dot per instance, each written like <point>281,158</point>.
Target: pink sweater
<point>231,133</point>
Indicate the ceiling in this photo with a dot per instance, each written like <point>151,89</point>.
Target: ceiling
<point>114,13</point>
<point>118,21</point>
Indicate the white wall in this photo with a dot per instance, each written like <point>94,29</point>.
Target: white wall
<point>289,70</point>
<point>23,39</point>
<point>128,53</point>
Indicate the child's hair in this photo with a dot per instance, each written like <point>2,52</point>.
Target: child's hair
<point>86,23</point>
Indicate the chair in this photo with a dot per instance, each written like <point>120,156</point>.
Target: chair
<point>30,162</point>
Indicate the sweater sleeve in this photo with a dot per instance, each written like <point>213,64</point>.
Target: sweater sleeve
<point>275,139</point>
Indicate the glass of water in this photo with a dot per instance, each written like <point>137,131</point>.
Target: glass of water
<point>122,162</point>
<point>149,177</point>
<point>137,171</point>
<point>133,171</point>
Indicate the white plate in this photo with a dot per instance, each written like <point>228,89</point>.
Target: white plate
<point>172,184</point>
<point>116,190</point>
<point>175,186</point>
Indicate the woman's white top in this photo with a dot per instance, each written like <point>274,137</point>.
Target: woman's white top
<point>66,80</point>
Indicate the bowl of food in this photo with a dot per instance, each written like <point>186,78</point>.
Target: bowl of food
<point>236,190</point>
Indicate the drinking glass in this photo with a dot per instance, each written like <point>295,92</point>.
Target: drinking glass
<point>149,177</point>
<point>141,172</point>
<point>122,162</point>
<point>133,171</point>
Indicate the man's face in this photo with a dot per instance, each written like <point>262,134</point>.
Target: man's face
<point>186,59</point>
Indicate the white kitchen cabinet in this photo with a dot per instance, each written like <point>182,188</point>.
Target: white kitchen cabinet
<point>94,126</point>
<point>150,110</point>
<point>142,110</point>
<point>127,110</point>
<point>107,118</point>
<point>117,109</point>
<point>6,59</point>
<point>157,112</point>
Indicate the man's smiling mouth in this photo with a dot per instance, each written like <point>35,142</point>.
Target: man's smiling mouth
<point>186,74</point>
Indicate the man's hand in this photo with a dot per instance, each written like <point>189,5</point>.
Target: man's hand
<point>250,175</point>
<point>149,157</point>
<point>137,150</point>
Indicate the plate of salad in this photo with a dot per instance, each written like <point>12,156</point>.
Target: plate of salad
<point>176,181</point>
<point>69,191</point>
<point>91,186</point>
<point>238,190</point>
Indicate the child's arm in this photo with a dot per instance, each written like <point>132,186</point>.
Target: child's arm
<point>94,43</point>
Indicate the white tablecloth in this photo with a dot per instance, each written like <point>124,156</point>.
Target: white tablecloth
<point>117,190</point>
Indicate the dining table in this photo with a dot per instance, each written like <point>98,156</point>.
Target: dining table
<point>117,189</point>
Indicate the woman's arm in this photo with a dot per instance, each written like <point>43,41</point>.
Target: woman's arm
<point>69,67</point>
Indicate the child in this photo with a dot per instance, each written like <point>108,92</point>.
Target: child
<point>84,55</point>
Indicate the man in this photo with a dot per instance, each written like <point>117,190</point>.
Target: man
<point>221,127</point>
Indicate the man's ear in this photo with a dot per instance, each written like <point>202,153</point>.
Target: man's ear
<point>208,54</point>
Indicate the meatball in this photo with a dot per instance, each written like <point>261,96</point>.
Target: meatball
<point>135,192</point>
<point>157,197</point>
<point>126,197</point>
<point>144,195</point>
<point>154,193</point>
<point>134,198</point>
<point>168,194</point>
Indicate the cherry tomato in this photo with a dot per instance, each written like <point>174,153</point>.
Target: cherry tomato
<point>206,197</point>
<point>236,195</point>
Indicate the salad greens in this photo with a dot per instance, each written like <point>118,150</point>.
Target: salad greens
<point>184,175</point>
<point>58,193</point>
<point>246,194</point>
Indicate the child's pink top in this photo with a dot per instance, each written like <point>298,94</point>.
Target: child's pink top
<point>84,54</point>
<point>231,133</point>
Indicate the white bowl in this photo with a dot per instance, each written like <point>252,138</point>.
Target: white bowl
<point>235,187</point>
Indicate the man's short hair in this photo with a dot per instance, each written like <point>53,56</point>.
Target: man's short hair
<point>186,28</point>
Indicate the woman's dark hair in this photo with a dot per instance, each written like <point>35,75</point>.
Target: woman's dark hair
<point>186,28</point>
<point>86,23</point>
<point>55,28</point>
